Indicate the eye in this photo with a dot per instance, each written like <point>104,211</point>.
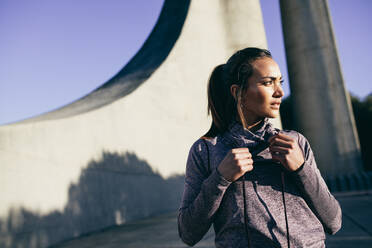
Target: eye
<point>267,83</point>
<point>281,82</point>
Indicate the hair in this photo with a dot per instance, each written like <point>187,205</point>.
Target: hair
<point>223,107</point>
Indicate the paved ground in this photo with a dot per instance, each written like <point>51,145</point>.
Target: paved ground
<point>161,231</point>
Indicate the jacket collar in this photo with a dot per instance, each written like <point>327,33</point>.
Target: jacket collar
<point>237,136</point>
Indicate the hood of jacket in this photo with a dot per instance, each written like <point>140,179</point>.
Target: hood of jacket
<point>256,142</point>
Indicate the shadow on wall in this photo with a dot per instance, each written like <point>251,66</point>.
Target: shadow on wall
<point>118,189</point>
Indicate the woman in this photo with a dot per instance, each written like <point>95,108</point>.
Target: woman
<point>257,185</point>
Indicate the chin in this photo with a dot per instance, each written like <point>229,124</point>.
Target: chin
<point>272,114</point>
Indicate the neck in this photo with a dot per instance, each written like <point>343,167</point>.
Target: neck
<point>252,124</point>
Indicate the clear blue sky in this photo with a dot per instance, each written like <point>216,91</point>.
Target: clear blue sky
<point>54,52</point>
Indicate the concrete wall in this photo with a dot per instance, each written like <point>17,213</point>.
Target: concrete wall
<point>109,157</point>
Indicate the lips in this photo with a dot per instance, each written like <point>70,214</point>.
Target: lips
<point>275,105</point>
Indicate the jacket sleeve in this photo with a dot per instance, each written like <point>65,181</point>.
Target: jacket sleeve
<point>202,196</point>
<point>315,191</point>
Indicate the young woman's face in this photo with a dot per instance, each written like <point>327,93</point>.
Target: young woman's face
<point>263,94</point>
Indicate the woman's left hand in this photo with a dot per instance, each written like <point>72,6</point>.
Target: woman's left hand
<point>285,149</point>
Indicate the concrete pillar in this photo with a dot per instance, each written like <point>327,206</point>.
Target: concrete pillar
<point>322,106</point>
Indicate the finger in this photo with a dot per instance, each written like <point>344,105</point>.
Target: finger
<point>277,157</point>
<point>280,136</point>
<point>285,137</point>
<point>239,150</point>
<point>242,155</point>
<point>245,162</point>
<point>248,167</point>
<point>278,150</point>
<point>281,142</point>
<point>271,138</point>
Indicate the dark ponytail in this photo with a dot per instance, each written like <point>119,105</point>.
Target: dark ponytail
<point>221,104</point>
<point>220,101</point>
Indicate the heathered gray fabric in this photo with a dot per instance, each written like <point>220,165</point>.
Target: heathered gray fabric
<point>210,199</point>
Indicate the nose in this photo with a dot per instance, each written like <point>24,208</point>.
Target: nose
<point>278,90</point>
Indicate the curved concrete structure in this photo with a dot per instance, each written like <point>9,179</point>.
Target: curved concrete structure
<point>106,159</point>
<point>151,55</point>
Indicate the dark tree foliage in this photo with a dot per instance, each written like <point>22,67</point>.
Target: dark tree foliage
<point>286,114</point>
<point>363,118</point>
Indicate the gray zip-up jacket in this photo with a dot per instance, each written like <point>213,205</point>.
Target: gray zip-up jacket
<point>252,211</point>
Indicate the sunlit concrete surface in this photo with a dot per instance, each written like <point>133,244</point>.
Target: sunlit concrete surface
<point>161,231</point>
<point>356,229</point>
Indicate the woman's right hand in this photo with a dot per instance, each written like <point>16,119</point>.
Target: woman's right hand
<point>236,163</point>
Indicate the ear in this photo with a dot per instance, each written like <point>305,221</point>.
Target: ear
<point>234,91</point>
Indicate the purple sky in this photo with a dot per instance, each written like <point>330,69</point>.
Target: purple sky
<point>54,52</point>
